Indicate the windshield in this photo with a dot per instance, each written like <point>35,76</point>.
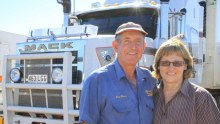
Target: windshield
<point>109,20</point>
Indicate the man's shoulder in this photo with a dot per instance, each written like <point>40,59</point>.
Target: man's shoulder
<point>146,74</point>
<point>102,71</point>
<point>145,71</point>
<point>99,76</point>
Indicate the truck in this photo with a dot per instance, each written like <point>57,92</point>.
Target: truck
<point>43,81</point>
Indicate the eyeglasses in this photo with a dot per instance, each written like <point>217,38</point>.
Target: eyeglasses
<point>175,63</point>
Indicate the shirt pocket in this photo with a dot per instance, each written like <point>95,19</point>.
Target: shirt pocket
<point>149,103</point>
<point>123,105</point>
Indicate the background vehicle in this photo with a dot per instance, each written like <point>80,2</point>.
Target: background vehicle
<point>43,81</point>
<point>7,46</point>
<point>8,39</point>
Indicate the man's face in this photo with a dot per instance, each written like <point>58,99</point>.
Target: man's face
<point>130,47</point>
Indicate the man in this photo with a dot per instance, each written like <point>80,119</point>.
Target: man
<point>120,92</point>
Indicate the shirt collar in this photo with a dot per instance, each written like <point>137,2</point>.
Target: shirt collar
<point>184,88</point>
<point>118,69</point>
<point>120,72</point>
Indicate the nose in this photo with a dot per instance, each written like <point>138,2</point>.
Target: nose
<point>171,65</point>
<point>133,45</point>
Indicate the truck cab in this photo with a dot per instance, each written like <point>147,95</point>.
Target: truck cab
<point>42,82</point>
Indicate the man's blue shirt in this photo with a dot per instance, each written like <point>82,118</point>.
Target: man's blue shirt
<point>107,97</point>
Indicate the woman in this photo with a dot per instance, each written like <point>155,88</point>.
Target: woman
<point>177,100</point>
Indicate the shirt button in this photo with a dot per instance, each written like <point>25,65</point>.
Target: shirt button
<point>164,113</point>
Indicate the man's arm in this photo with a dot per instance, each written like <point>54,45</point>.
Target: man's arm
<point>89,110</point>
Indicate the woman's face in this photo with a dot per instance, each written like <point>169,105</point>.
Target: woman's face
<point>171,68</point>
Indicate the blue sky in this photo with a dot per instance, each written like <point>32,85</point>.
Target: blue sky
<point>20,16</point>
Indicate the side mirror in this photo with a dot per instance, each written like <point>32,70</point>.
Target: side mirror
<point>183,11</point>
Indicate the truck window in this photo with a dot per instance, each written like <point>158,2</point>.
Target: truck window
<point>109,20</point>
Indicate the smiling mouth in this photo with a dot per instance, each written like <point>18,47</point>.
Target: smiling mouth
<point>132,53</point>
<point>171,74</point>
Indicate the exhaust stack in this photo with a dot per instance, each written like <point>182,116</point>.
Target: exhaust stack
<point>164,19</point>
<point>66,10</point>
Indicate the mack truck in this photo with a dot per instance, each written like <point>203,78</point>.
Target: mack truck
<point>43,81</point>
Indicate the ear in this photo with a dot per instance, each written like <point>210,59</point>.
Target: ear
<point>145,44</point>
<point>115,45</point>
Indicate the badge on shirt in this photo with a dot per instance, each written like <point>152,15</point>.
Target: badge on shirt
<point>120,96</point>
<point>149,92</point>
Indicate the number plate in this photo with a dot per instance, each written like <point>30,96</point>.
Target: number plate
<point>37,78</point>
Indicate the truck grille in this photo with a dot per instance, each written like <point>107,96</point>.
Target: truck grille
<point>36,68</point>
<point>42,68</point>
<point>39,97</point>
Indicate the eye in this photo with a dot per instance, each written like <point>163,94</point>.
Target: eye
<point>126,42</point>
<point>164,63</point>
<point>138,42</point>
<point>178,63</point>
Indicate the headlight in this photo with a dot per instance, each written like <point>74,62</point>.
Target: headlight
<point>57,75</point>
<point>15,75</point>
